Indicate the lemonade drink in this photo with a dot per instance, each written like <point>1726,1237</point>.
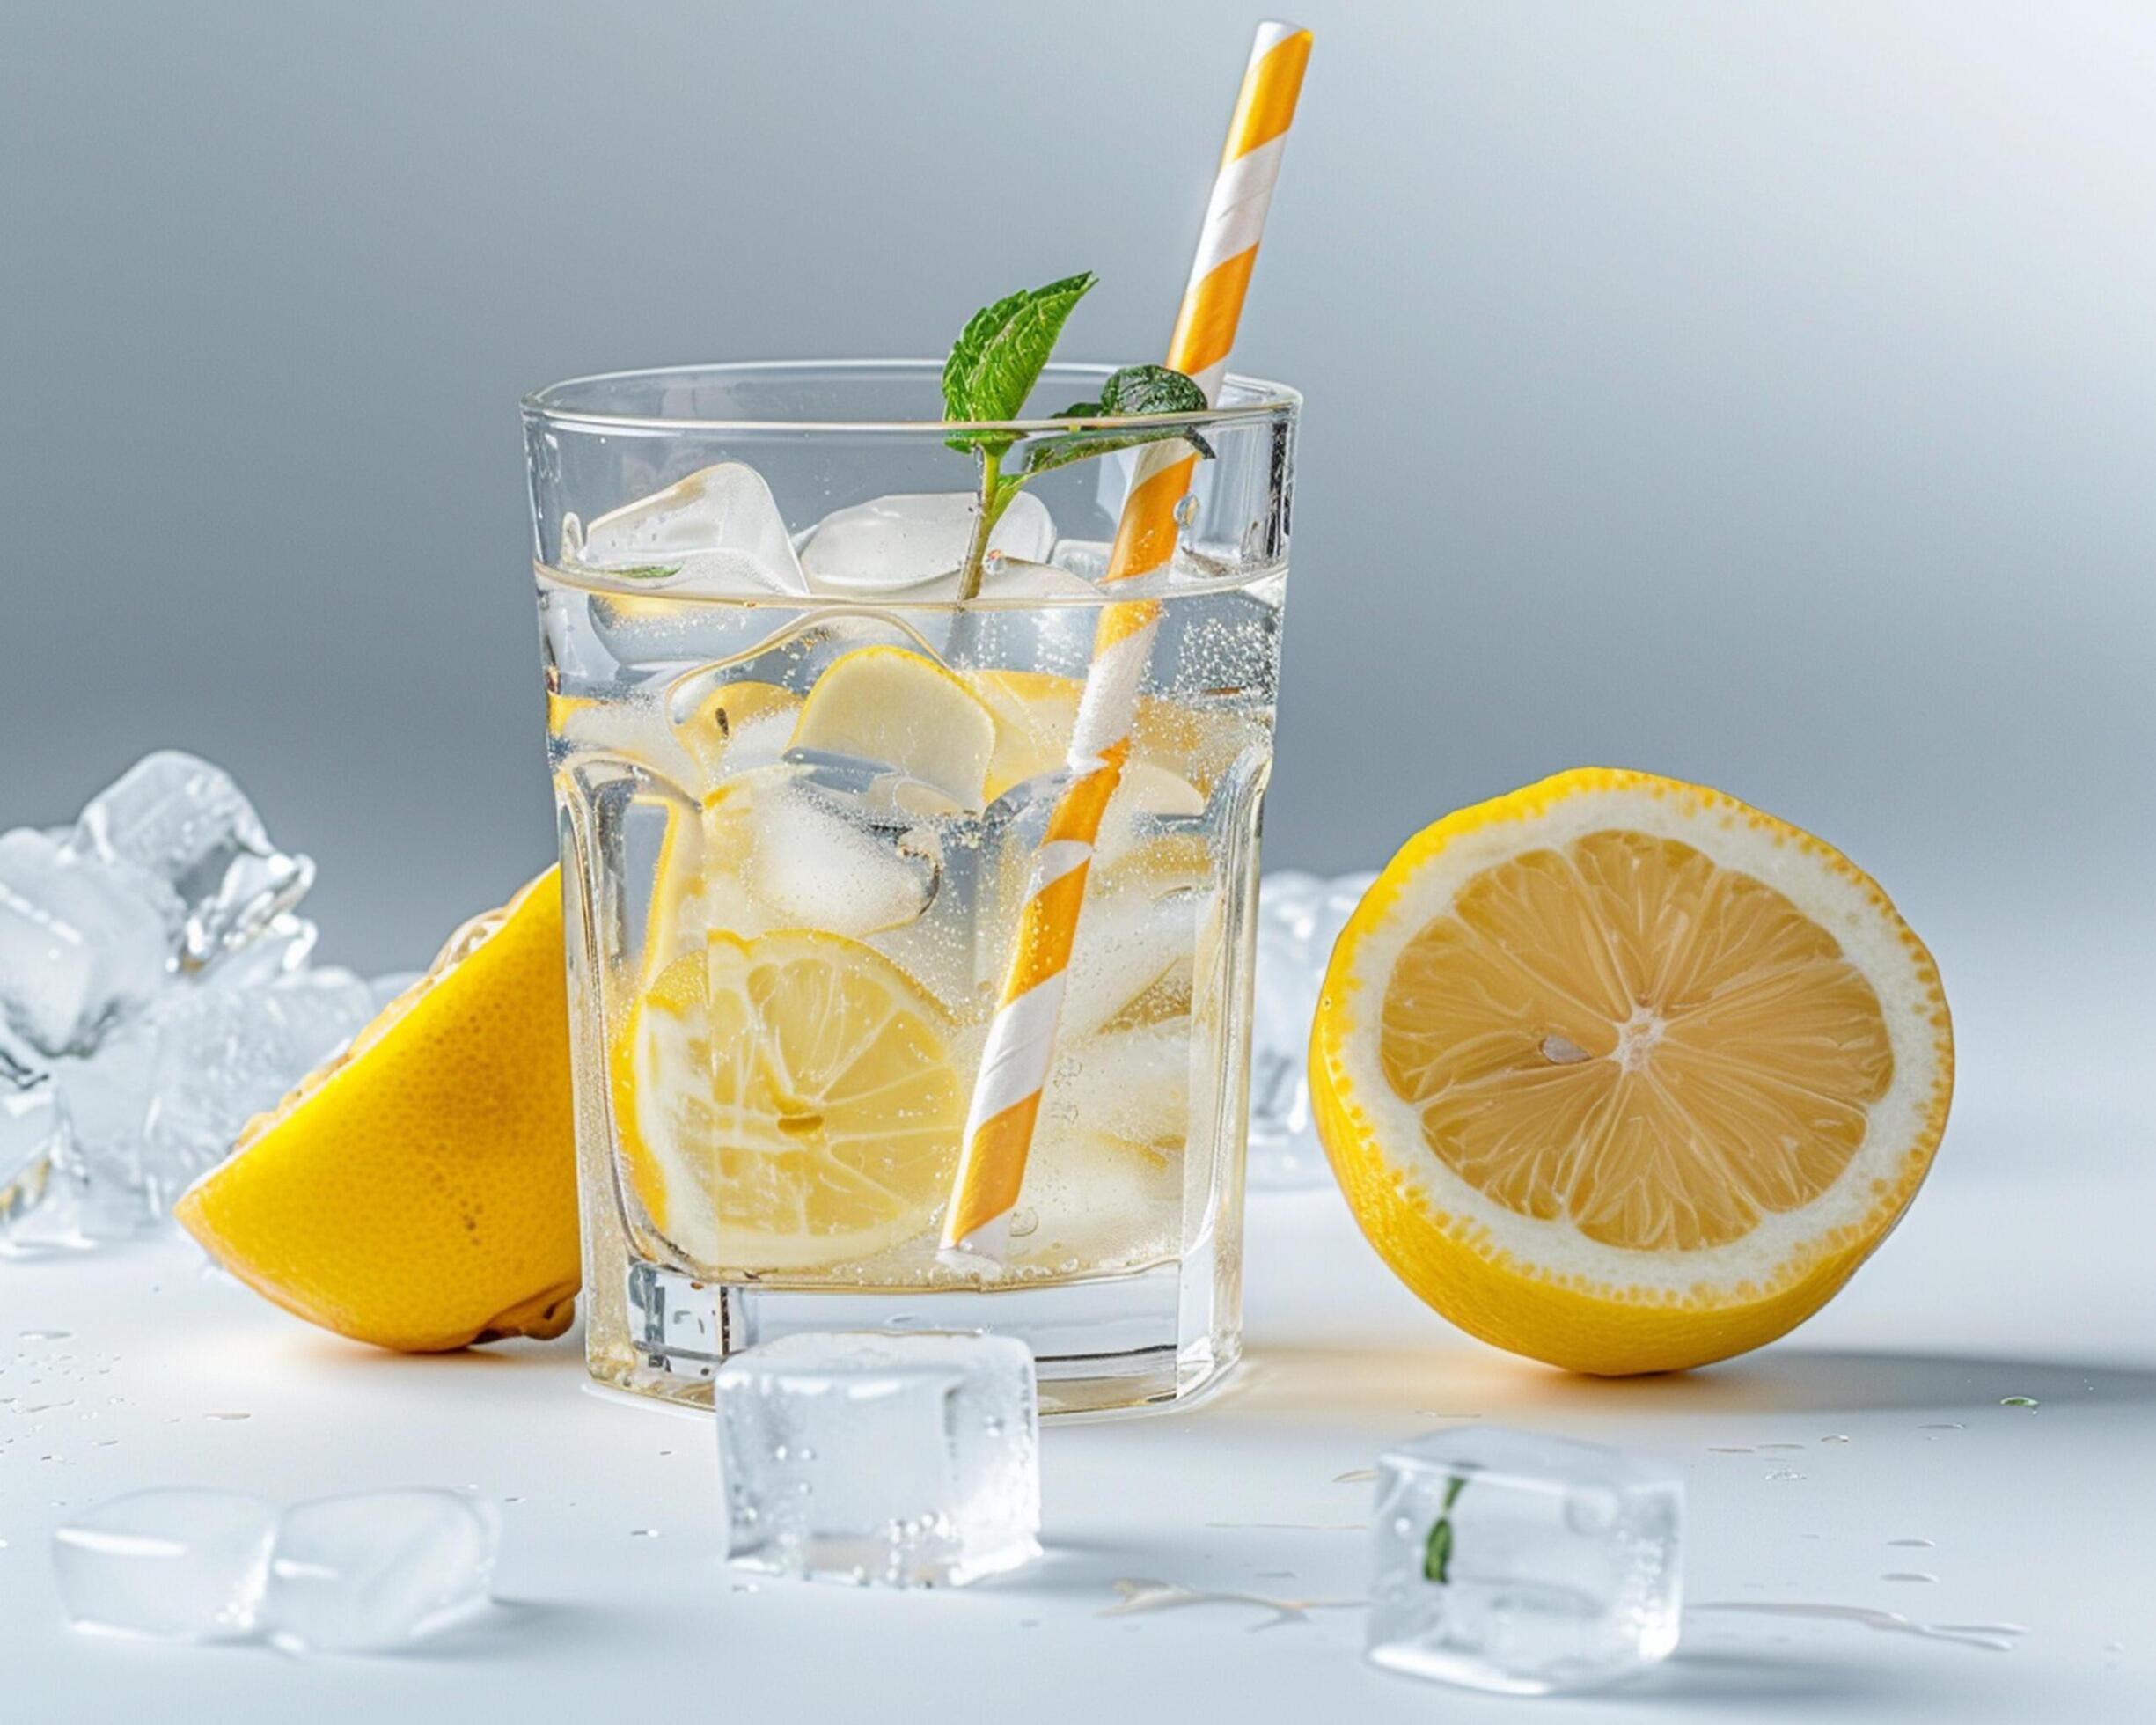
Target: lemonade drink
<point>799,787</point>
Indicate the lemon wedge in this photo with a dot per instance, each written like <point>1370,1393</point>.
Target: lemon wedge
<point>420,1192</point>
<point>892,705</point>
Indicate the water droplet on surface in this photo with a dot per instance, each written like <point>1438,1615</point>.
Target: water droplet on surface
<point>2019,1401</point>
<point>1834,1437</point>
<point>1187,509</point>
<point>1920,1545</point>
<point>1943,1426</point>
<point>46,1335</point>
<point>1022,1222</point>
<point>1992,1637</point>
<point>228,1416</point>
<point>1785,1473</point>
<point>1133,1596</point>
<point>1908,1576</point>
<point>643,1533</point>
<point>1354,1476</point>
<point>1730,1449</point>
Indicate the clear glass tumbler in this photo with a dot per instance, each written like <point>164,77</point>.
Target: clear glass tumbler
<point>800,780</point>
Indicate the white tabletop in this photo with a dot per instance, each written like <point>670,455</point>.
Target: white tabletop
<point>1995,1287</point>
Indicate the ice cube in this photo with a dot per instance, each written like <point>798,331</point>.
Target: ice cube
<point>1127,942</point>
<point>1299,918</point>
<point>167,1565</point>
<point>889,544</point>
<point>226,1054</point>
<point>80,945</point>
<point>1525,1564</point>
<point>717,533</point>
<point>816,857</point>
<point>280,949</point>
<point>34,1132</point>
<point>635,730</point>
<point>898,1461</point>
<point>183,824</point>
<point>375,1570</point>
<point>1131,1084</point>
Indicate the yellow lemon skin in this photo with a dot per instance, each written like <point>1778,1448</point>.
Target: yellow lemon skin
<point>1461,1268</point>
<point>420,1192</point>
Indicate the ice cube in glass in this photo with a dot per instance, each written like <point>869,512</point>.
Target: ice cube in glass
<point>374,1570</point>
<point>902,1460</point>
<point>719,532</point>
<point>1522,1563</point>
<point>891,543</point>
<point>166,1565</point>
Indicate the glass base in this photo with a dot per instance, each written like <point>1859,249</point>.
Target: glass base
<point>1104,1346</point>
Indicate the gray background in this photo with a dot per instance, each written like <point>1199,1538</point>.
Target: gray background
<point>1763,394</point>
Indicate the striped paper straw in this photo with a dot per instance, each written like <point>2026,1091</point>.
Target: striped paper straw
<point>1021,1044</point>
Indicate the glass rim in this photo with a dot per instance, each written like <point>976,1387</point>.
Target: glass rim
<point>544,404</point>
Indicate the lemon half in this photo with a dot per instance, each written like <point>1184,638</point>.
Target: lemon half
<point>1620,1074</point>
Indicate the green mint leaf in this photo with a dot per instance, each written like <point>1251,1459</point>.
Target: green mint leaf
<point>646,572</point>
<point>1151,389</point>
<point>1437,1555</point>
<point>999,355</point>
<point>1135,390</point>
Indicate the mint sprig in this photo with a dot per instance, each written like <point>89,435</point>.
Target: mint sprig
<point>993,366</point>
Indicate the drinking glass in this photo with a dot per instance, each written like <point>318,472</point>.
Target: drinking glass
<point>800,779</point>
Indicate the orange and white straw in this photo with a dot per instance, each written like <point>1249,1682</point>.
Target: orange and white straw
<point>1021,1044</point>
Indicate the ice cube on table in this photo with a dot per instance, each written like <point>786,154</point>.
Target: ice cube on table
<point>179,822</point>
<point>1299,918</point>
<point>80,943</point>
<point>226,1054</point>
<point>377,1570</point>
<point>717,532</point>
<point>166,1565</point>
<point>888,543</point>
<point>1522,1563</point>
<point>34,1134</point>
<point>897,1461</point>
